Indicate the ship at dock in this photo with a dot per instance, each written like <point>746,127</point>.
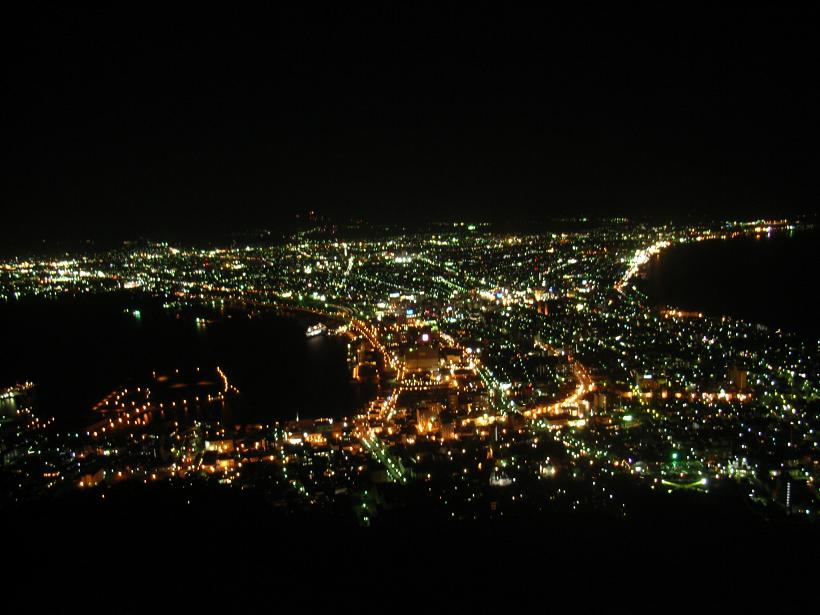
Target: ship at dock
<point>317,329</point>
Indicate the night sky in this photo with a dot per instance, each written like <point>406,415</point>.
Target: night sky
<point>139,121</point>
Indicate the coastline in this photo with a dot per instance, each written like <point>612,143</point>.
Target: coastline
<point>759,278</point>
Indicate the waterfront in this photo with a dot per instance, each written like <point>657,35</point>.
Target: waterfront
<point>80,348</point>
<point>766,280</point>
<point>518,376</point>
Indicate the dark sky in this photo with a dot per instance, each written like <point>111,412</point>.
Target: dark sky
<point>143,120</point>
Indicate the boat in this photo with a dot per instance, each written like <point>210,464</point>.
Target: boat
<point>317,329</point>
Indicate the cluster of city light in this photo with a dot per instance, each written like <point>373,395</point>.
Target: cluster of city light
<point>524,342</point>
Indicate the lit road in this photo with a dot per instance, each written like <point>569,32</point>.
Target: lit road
<point>393,465</point>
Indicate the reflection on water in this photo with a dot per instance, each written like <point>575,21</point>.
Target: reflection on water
<point>767,280</point>
<point>79,349</point>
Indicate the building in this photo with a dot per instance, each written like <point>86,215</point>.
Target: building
<point>422,359</point>
<point>738,378</point>
<point>427,417</point>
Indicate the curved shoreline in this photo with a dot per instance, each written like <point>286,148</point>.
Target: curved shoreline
<point>712,295</point>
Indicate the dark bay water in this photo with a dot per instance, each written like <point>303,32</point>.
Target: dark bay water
<point>77,349</point>
<point>771,280</point>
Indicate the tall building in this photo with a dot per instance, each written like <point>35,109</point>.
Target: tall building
<point>737,377</point>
